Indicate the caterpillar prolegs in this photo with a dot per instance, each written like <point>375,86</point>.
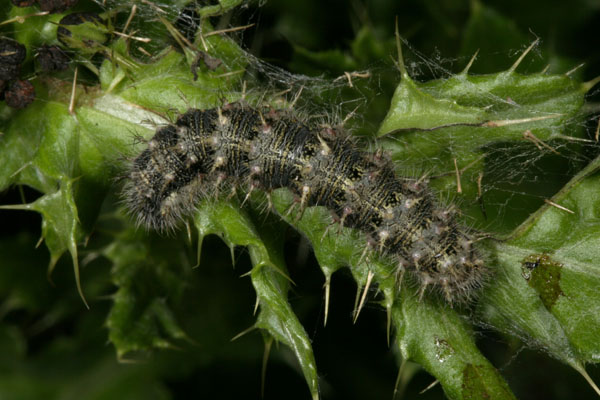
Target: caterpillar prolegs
<point>267,149</point>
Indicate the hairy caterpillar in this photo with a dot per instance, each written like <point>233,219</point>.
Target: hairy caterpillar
<point>268,149</point>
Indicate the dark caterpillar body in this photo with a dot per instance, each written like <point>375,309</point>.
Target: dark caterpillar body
<point>270,149</point>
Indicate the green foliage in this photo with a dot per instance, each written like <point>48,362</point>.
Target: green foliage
<point>491,134</point>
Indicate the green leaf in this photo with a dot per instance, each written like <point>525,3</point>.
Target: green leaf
<point>430,334</point>
<point>40,30</point>
<point>38,146</point>
<point>548,270</point>
<point>413,108</point>
<point>441,342</point>
<point>484,126</point>
<point>52,168</point>
<point>462,115</point>
<point>268,276</point>
<point>169,84</point>
<point>149,283</point>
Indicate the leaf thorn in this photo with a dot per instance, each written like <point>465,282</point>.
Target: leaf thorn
<point>364,296</point>
<point>327,292</point>
<point>522,56</point>
<point>471,61</point>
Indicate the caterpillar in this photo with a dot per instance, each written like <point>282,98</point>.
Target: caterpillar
<point>266,149</point>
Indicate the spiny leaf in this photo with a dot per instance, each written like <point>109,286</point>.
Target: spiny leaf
<point>474,127</point>
<point>418,325</point>
<point>268,278</point>
<point>510,304</point>
<point>141,318</point>
<point>442,343</point>
<point>51,146</point>
<point>566,239</point>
